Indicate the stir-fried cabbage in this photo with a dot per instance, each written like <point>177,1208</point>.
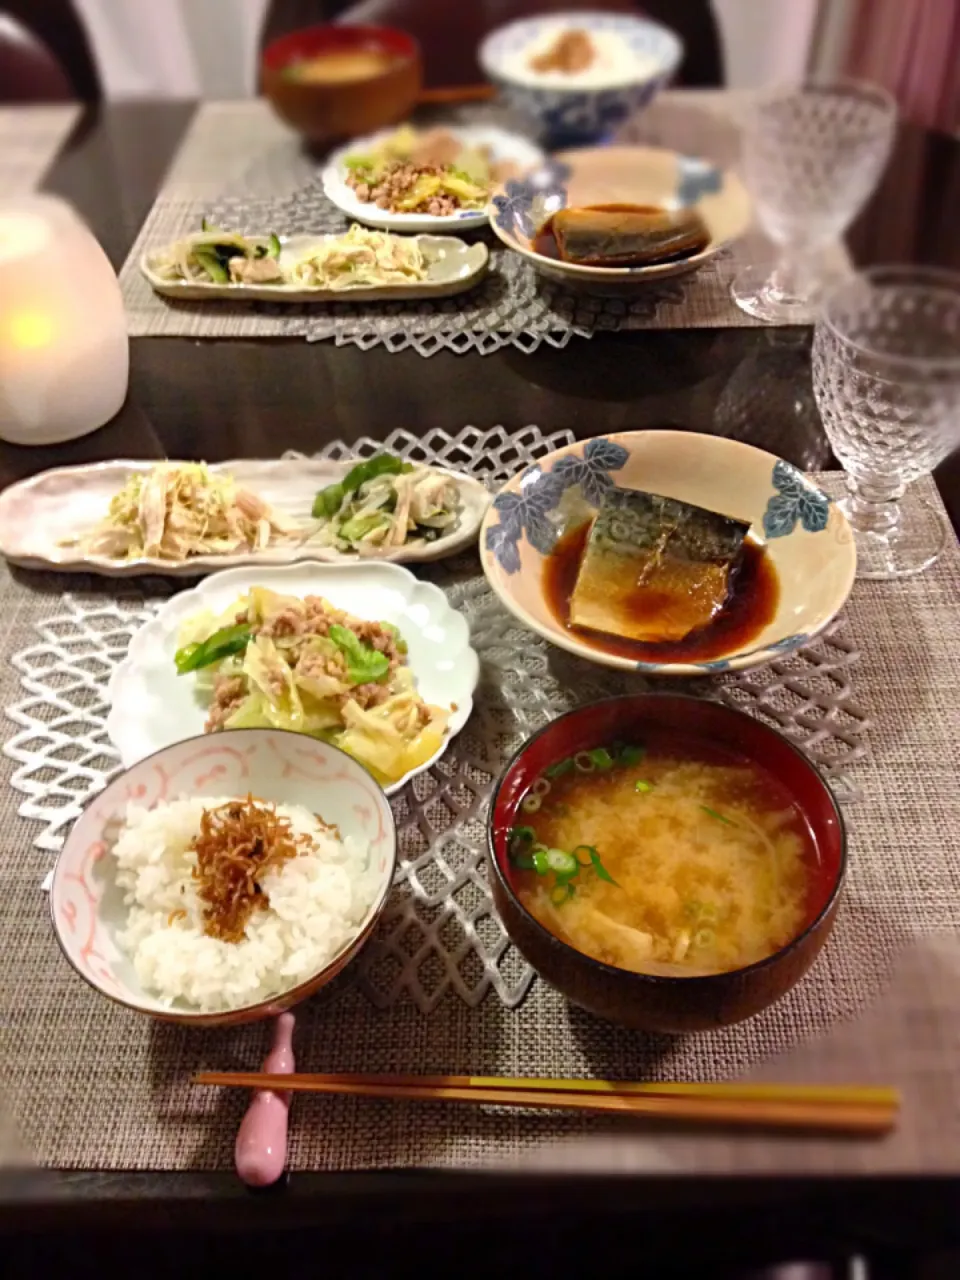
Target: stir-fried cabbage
<point>315,669</point>
<point>361,258</point>
<point>176,511</point>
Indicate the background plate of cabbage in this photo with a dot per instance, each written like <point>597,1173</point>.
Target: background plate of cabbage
<point>152,705</point>
<point>505,148</point>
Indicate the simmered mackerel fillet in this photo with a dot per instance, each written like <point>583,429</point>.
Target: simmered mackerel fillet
<point>655,569</point>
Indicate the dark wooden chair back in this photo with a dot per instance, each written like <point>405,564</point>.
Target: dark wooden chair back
<point>449,31</point>
<point>45,55</point>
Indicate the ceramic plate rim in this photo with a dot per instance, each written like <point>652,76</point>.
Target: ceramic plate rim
<point>174,609</point>
<point>667,670</point>
<point>476,499</point>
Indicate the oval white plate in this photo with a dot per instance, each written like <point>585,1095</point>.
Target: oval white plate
<point>452,267</point>
<point>152,707</point>
<point>504,145</point>
<point>36,514</point>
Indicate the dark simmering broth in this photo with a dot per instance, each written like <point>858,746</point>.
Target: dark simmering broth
<point>751,606</point>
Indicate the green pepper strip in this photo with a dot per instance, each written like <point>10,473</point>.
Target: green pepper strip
<point>223,643</point>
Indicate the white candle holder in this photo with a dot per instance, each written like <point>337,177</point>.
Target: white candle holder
<point>64,353</point>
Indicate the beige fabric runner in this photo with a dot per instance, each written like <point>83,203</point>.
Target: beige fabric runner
<point>91,1085</point>
<point>229,145</point>
<point>30,138</point>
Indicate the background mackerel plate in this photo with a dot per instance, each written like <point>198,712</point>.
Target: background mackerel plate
<point>452,267</point>
<point>37,514</point>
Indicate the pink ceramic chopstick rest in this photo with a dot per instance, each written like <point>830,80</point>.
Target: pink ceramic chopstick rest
<point>261,1150</point>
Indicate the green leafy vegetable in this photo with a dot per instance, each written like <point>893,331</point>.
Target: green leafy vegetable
<point>596,863</point>
<point>209,259</point>
<point>601,757</point>
<point>364,664</point>
<point>329,500</point>
<point>643,786</point>
<point>401,643</point>
<point>560,768</point>
<point>359,526</point>
<point>220,645</point>
<point>720,817</point>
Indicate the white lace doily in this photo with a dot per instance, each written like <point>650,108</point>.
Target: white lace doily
<point>439,931</point>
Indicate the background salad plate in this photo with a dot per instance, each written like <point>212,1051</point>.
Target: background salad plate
<point>152,707</point>
<point>452,267</point>
<point>36,515</point>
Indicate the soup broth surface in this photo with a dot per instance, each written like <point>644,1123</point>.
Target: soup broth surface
<point>339,65</point>
<point>706,864</point>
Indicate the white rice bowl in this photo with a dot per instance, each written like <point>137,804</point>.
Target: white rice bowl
<point>317,905</point>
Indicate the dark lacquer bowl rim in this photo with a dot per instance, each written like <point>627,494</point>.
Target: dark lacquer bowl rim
<point>307,42</point>
<point>662,980</point>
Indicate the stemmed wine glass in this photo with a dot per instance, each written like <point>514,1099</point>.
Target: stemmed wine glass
<point>811,157</point>
<point>886,376</point>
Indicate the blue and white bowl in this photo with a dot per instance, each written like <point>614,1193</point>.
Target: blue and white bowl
<point>806,536</point>
<point>611,176</point>
<point>577,113</point>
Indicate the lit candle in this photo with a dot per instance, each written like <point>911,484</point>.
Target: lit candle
<point>64,355</point>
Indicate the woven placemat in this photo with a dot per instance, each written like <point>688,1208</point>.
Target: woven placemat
<point>238,165</point>
<point>30,137</point>
<point>91,1085</point>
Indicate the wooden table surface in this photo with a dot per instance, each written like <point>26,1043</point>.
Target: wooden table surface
<point>216,400</point>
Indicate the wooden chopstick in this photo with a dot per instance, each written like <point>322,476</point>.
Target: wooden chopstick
<point>848,1110</point>
<point>456,93</point>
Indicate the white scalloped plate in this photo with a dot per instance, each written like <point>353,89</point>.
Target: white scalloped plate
<point>452,267</point>
<point>37,514</point>
<point>152,707</point>
<point>503,144</point>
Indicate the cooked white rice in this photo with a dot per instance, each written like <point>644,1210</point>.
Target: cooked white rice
<point>317,902</point>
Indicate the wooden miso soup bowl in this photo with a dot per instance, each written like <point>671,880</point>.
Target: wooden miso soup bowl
<point>326,112</point>
<point>644,1001</point>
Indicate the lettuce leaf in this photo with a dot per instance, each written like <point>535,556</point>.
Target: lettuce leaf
<point>364,663</point>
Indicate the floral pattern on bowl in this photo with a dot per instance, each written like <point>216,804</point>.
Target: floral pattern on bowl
<point>87,908</point>
<point>618,175</point>
<point>807,537</point>
<point>580,113</point>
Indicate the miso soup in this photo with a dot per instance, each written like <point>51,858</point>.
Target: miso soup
<point>337,66</point>
<point>665,857</point>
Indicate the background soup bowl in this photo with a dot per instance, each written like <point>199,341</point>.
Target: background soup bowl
<point>642,1001</point>
<point>326,112</point>
<point>806,536</point>
<point>618,175</point>
<point>581,113</point>
<point>87,907</point>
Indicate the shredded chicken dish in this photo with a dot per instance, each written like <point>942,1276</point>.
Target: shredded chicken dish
<point>180,510</point>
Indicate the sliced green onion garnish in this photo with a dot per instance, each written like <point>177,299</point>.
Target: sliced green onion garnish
<point>643,786</point>
<point>601,757</point>
<point>704,938</point>
<point>541,787</point>
<point>632,755</point>
<point>600,869</point>
<point>530,802</point>
<point>540,864</point>
<point>561,893</point>
<point>720,817</point>
<point>560,768</point>
<point>584,761</point>
<point>563,863</point>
